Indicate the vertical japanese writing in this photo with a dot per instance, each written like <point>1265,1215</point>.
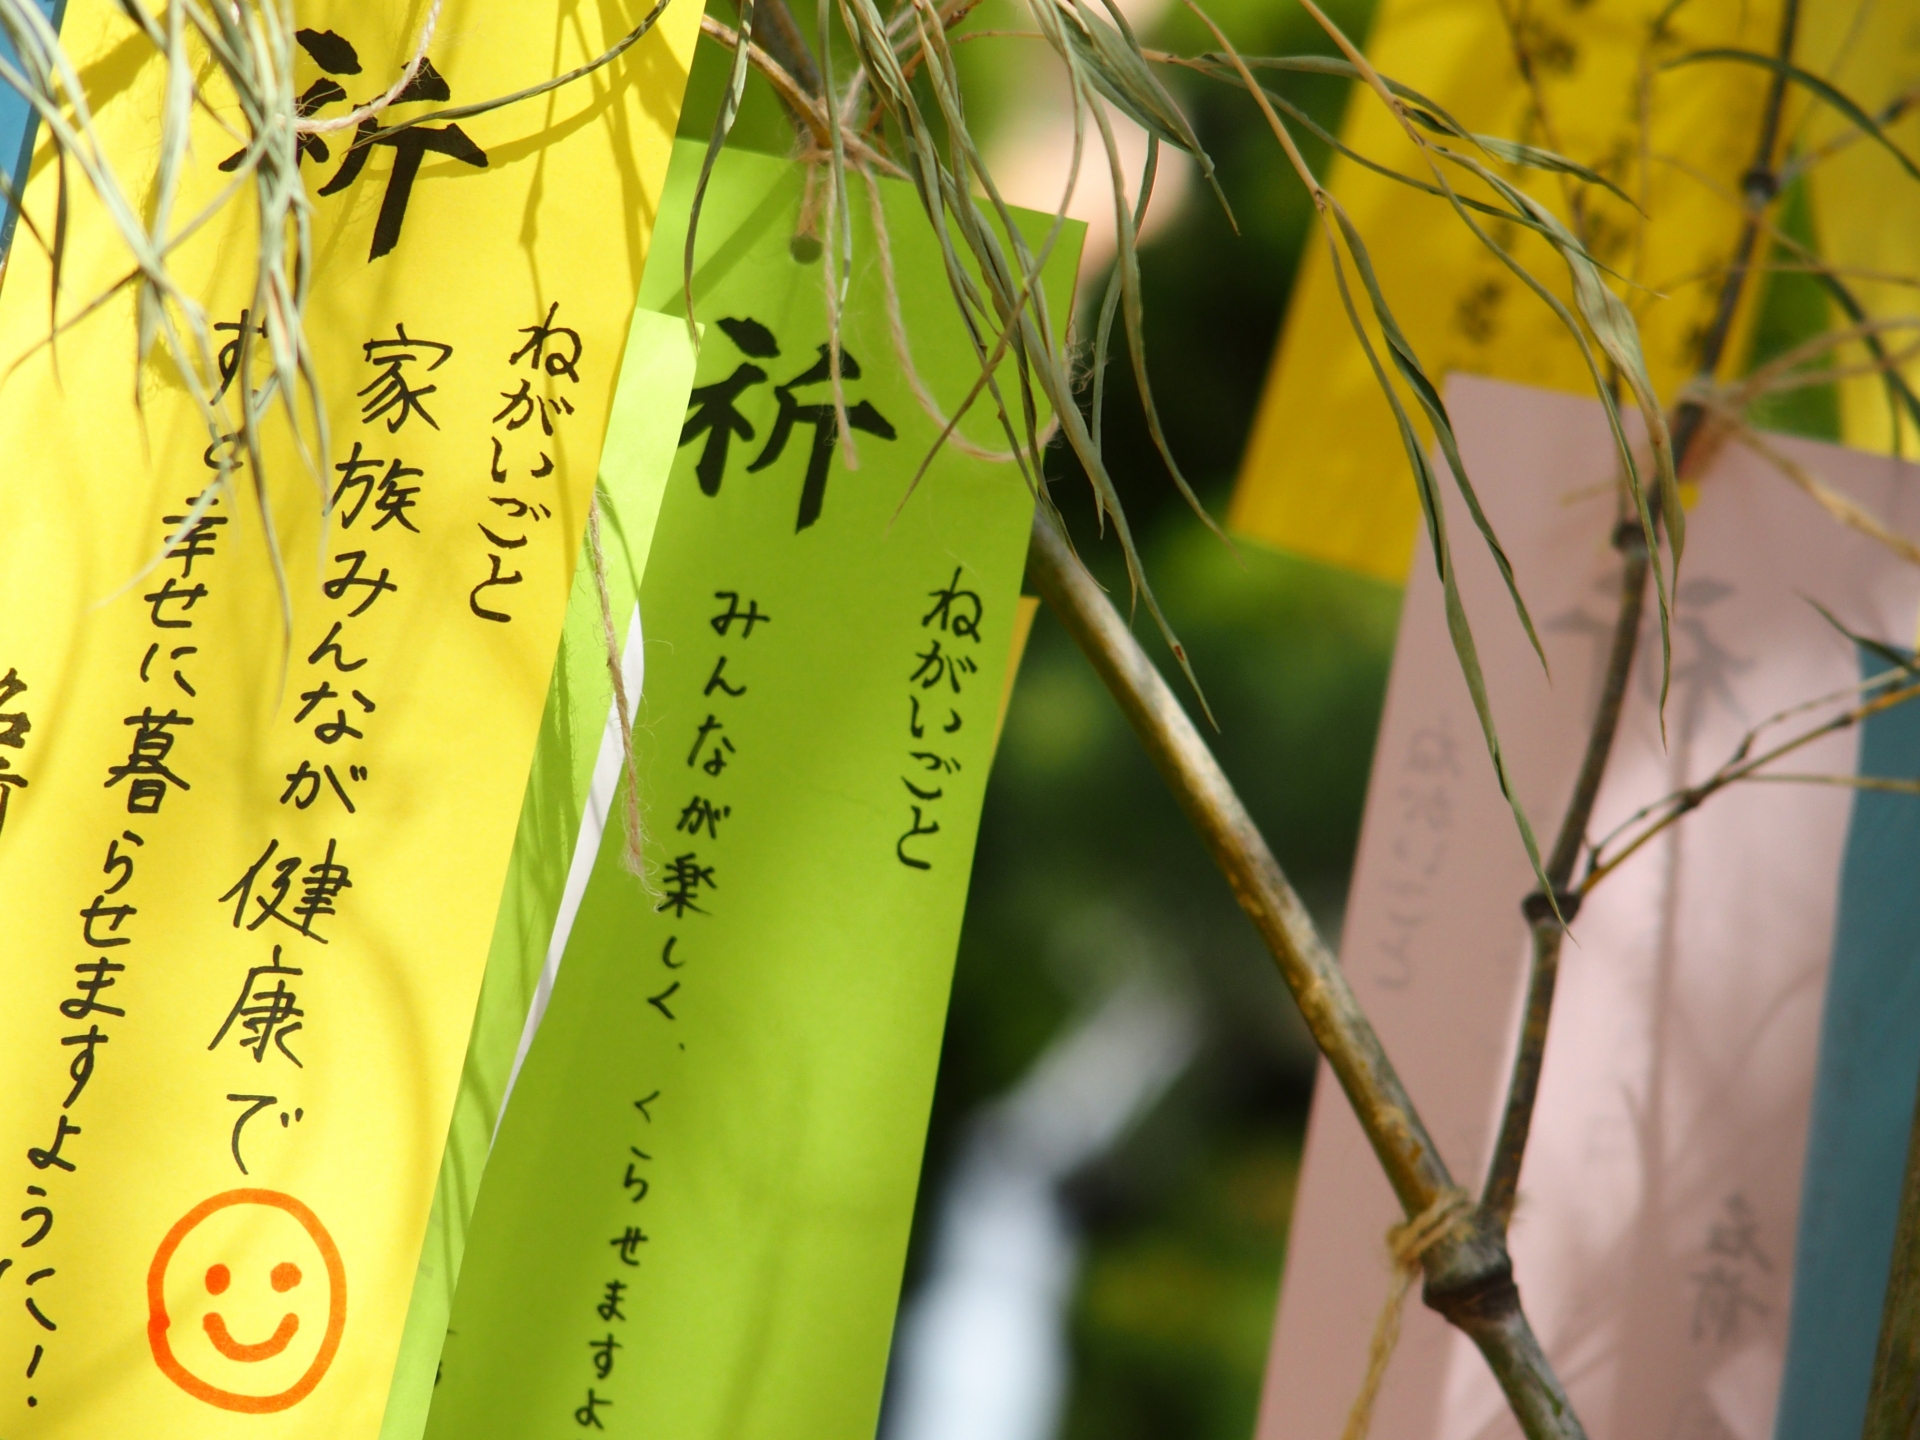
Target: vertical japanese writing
<point>689,883</point>
<point>937,684</point>
<point>1733,1265</point>
<point>552,353</point>
<point>609,1304</point>
<point>804,399</point>
<point>150,773</point>
<point>382,506</point>
<point>14,726</point>
<point>1419,848</point>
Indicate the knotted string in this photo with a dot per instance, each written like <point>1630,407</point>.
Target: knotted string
<point>1407,1242</point>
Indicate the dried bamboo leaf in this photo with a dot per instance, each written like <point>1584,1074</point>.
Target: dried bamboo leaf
<point>1333,65</point>
<point>1110,301</point>
<point>1128,266</point>
<point>1426,485</point>
<point>461,112</point>
<point>1008,286</point>
<point>1838,506</point>
<point>1332,140</point>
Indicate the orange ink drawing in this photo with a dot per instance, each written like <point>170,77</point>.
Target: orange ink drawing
<point>285,1278</point>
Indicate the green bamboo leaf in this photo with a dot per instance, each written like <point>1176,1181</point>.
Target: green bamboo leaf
<point>1408,364</point>
<point>1613,326</point>
<point>1810,82</point>
<point>1459,631</point>
<point>1575,259</point>
<point>1900,396</point>
<point>1346,70</point>
<point>722,125</point>
<point>1535,158</point>
<point>1897,659</point>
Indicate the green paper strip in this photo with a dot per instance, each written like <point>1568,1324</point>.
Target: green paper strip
<point>696,1210</point>
<point>655,376</point>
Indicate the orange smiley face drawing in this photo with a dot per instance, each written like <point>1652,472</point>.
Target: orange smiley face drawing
<point>255,1267</point>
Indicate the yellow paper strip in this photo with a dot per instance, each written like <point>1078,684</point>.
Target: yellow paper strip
<point>1324,473</point>
<point>247,892</point>
<point>1866,207</point>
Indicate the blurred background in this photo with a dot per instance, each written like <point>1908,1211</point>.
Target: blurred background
<point>1109,1173</point>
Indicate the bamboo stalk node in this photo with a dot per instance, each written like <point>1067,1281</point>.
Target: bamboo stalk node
<point>1537,907</point>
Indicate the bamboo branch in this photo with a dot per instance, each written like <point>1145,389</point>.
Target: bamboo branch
<point>1893,1400</point>
<point>1503,1171</point>
<point>1759,186</point>
<point>788,47</point>
<point>1469,1277</point>
<point>1670,809</point>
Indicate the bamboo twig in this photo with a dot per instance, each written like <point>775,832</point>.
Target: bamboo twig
<point>1669,810</point>
<point>806,111</point>
<point>1469,1277</point>
<point>1759,187</point>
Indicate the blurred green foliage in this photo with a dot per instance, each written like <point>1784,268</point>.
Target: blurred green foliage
<point>1170,1331</point>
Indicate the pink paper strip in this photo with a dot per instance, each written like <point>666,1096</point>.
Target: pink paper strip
<point>1653,1244</point>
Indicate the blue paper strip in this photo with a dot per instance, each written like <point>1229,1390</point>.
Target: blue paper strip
<point>18,126</point>
<point>1863,1098</point>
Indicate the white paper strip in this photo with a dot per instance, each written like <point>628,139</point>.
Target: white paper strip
<point>607,767</point>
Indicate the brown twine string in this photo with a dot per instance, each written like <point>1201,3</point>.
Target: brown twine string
<point>897,325</point>
<point>1406,1243</point>
<point>807,227</point>
<point>631,857</point>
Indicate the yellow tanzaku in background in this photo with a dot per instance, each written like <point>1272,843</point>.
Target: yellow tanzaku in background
<point>1324,474</point>
<point>247,886</point>
<point>1866,204</point>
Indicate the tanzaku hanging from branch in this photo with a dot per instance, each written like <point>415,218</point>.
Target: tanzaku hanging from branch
<point>901,112</point>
